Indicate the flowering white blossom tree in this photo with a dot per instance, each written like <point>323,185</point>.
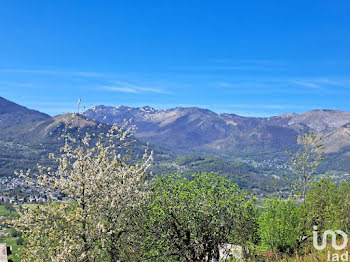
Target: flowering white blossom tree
<point>101,187</point>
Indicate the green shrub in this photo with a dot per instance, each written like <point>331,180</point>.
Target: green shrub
<point>324,203</point>
<point>281,225</point>
<point>191,219</point>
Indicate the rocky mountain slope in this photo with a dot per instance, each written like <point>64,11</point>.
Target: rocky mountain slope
<point>15,119</point>
<point>249,150</point>
<point>202,128</point>
<point>27,136</point>
<point>195,130</point>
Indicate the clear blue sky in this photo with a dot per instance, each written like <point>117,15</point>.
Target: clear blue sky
<point>241,56</point>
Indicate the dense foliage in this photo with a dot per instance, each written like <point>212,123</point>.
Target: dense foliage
<point>281,225</point>
<point>110,211</point>
<point>191,220</point>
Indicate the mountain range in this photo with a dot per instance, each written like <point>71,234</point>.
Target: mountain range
<point>195,130</point>
<point>249,150</point>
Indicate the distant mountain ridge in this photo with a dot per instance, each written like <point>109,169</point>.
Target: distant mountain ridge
<point>13,114</point>
<point>201,129</point>
<point>27,136</point>
<point>249,150</point>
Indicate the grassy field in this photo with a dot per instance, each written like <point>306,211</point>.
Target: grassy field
<point>6,212</point>
<point>8,235</point>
